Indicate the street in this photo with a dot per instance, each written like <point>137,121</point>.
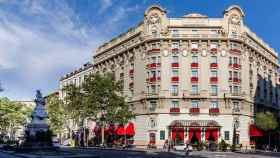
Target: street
<point>113,153</point>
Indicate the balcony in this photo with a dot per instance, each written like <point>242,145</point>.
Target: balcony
<point>236,80</point>
<point>153,79</point>
<point>235,51</point>
<point>194,79</point>
<point>194,65</point>
<point>213,50</point>
<point>213,79</point>
<point>214,111</point>
<point>175,50</point>
<point>154,50</point>
<point>152,65</point>
<point>131,72</point>
<point>194,110</point>
<point>174,110</point>
<point>194,49</point>
<point>235,66</point>
<point>175,79</point>
<point>175,65</point>
<point>214,65</point>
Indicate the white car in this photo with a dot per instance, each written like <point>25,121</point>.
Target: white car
<point>180,147</point>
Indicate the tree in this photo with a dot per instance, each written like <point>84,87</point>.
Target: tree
<point>267,122</point>
<point>57,115</point>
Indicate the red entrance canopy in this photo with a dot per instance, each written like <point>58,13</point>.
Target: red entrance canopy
<point>120,130</point>
<point>254,131</point>
<point>129,130</point>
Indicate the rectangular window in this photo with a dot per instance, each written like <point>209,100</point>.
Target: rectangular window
<point>226,135</point>
<point>175,45</point>
<point>230,74</point>
<point>214,89</point>
<point>162,135</point>
<point>214,59</point>
<point>194,59</point>
<point>175,33</point>
<point>175,73</point>
<point>175,59</point>
<point>194,89</point>
<point>153,73</point>
<point>235,89</point>
<point>230,60</point>
<point>174,90</point>
<point>158,74</point>
<point>194,46</point>
<point>153,89</point>
<point>153,105</point>
<point>214,73</point>
<point>214,104</point>
<point>213,45</point>
<point>194,103</point>
<point>235,60</point>
<point>235,74</point>
<point>194,73</point>
<point>194,31</point>
<point>236,106</point>
<point>154,59</point>
<point>175,104</point>
<point>230,89</point>
<point>158,60</point>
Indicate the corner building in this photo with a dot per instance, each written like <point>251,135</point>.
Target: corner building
<point>192,78</point>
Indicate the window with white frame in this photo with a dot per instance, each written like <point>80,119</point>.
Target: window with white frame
<point>153,74</point>
<point>194,73</point>
<point>213,104</point>
<point>153,122</point>
<point>194,89</point>
<point>153,89</point>
<point>175,73</point>
<point>194,103</point>
<point>214,73</point>
<point>194,59</point>
<point>158,59</point>
<point>214,89</point>
<point>174,90</point>
<point>152,105</point>
<point>236,106</point>
<point>175,59</point>
<point>154,59</point>
<point>213,45</point>
<point>194,32</point>
<point>175,45</point>
<point>175,104</point>
<point>194,46</point>
<point>214,59</point>
<point>175,33</point>
<point>235,89</point>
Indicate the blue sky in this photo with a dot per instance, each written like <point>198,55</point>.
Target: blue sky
<point>40,40</point>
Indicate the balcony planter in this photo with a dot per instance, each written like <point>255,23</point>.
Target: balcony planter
<point>152,65</point>
<point>175,79</point>
<point>214,50</point>
<point>194,79</point>
<point>194,110</point>
<point>213,65</point>
<point>131,72</point>
<point>153,79</point>
<point>236,80</point>
<point>175,50</point>
<point>194,49</point>
<point>194,65</point>
<point>236,66</point>
<point>175,65</point>
<point>214,79</point>
<point>174,110</point>
<point>235,51</point>
<point>214,111</point>
<point>153,50</point>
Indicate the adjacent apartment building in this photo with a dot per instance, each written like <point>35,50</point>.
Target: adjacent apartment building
<point>191,78</point>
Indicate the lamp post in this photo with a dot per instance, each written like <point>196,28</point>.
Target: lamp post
<point>102,119</point>
<point>235,126</point>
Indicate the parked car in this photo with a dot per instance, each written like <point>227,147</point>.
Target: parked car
<point>179,147</point>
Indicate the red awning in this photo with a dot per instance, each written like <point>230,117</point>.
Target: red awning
<point>110,129</point>
<point>120,130</point>
<point>254,131</point>
<point>130,129</point>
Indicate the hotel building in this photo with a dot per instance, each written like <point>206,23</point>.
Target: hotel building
<point>192,78</point>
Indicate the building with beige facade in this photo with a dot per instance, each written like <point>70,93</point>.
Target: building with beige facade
<point>191,78</point>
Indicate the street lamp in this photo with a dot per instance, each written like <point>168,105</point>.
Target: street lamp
<point>235,126</point>
<point>102,119</point>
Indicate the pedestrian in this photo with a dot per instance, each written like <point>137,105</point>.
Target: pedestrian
<point>169,144</point>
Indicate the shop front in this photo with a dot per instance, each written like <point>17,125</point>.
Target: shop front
<point>194,131</point>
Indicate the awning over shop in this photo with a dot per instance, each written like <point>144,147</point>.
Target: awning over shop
<point>120,130</point>
<point>195,123</point>
<point>129,130</point>
<point>254,131</point>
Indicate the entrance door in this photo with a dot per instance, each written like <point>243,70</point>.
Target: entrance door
<point>178,136</point>
<point>194,136</point>
<point>211,135</point>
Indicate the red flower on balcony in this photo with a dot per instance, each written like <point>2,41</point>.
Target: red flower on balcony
<point>236,80</point>
<point>236,66</point>
<point>194,65</point>
<point>213,49</point>
<point>174,110</point>
<point>194,49</point>
<point>175,50</point>
<point>214,111</point>
<point>213,65</point>
<point>175,79</point>
<point>152,65</point>
<point>175,65</point>
<point>154,50</point>
<point>194,110</point>
<point>235,51</point>
<point>153,79</point>
<point>213,79</point>
<point>131,72</point>
<point>194,79</point>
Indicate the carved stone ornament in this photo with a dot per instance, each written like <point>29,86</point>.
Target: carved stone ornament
<point>204,53</point>
<point>235,19</point>
<point>223,53</point>
<point>165,52</point>
<point>154,19</point>
<point>185,52</point>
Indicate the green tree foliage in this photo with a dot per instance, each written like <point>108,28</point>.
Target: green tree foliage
<point>57,114</point>
<point>266,121</point>
<point>12,116</point>
<point>98,94</point>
